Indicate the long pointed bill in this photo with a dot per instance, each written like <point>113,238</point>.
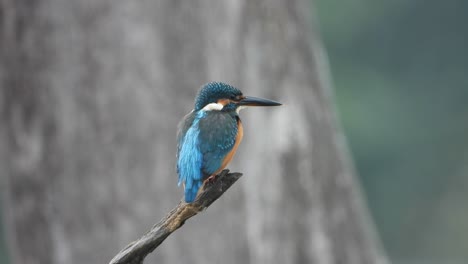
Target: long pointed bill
<point>255,101</point>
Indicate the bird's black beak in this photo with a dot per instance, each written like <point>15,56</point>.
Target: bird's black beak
<point>255,101</point>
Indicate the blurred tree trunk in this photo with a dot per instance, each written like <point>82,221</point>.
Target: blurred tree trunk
<point>91,92</point>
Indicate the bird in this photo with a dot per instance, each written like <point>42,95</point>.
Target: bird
<point>208,136</point>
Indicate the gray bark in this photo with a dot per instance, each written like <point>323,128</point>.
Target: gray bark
<point>91,93</point>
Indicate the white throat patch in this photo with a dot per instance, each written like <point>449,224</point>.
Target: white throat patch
<point>240,108</point>
<point>213,106</point>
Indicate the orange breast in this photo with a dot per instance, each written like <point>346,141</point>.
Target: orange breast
<point>230,155</point>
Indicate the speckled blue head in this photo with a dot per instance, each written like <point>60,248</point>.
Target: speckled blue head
<point>214,91</point>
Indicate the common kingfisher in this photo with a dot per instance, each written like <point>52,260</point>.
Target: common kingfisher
<point>208,137</point>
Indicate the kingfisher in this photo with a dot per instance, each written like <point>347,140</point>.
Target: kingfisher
<point>208,136</point>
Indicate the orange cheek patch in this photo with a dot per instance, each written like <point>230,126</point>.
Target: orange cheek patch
<point>224,101</point>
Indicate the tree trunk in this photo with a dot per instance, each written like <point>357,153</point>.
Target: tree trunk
<point>91,94</point>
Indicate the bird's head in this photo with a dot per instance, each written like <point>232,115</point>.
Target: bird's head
<point>224,97</point>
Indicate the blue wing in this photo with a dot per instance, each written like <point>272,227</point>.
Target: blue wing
<point>182,129</point>
<point>189,158</point>
<point>204,138</point>
<point>217,138</point>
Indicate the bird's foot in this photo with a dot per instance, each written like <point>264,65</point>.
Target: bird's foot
<point>210,179</point>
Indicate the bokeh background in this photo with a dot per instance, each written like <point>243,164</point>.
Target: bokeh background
<point>400,71</point>
<point>400,75</point>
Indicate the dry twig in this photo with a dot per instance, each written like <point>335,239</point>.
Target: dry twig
<point>136,251</point>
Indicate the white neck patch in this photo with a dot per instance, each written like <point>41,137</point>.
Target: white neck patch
<point>213,106</point>
<point>240,108</point>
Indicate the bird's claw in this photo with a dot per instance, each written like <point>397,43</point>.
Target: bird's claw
<point>210,179</point>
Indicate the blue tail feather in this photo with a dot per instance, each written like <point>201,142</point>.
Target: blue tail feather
<point>191,192</point>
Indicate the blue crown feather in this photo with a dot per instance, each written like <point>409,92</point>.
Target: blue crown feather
<point>211,92</point>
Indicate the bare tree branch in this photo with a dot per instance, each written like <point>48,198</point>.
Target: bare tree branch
<point>136,251</point>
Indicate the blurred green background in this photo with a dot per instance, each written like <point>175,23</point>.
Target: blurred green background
<point>400,69</point>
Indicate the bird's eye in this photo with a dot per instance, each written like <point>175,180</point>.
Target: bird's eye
<point>236,98</point>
